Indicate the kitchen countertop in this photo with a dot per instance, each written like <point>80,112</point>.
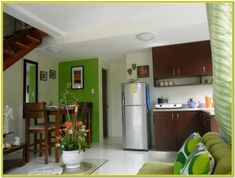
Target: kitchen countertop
<point>210,111</point>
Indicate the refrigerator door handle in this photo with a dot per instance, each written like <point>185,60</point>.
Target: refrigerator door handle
<point>123,99</point>
<point>123,113</point>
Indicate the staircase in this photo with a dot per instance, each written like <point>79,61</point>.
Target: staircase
<point>18,45</point>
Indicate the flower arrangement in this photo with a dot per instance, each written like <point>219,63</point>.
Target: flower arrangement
<point>73,136</point>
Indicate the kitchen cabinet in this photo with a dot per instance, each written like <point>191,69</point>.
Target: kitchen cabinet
<point>182,60</point>
<point>163,61</point>
<point>173,127</point>
<point>165,131</point>
<point>207,123</point>
<point>186,124</point>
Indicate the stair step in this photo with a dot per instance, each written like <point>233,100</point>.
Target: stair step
<point>8,52</point>
<point>33,39</point>
<point>21,45</point>
<point>38,32</point>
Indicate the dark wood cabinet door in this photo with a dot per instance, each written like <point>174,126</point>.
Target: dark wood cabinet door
<point>194,59</point>
<point>186,124</point>
<point>214,125</point>
<point>164,61</point>
<point>189,63</point>
<point>204,54</point>
<point>165,131</point>
<point>205,125</point>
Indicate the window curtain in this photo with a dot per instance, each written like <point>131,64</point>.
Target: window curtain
<point>220,27</point>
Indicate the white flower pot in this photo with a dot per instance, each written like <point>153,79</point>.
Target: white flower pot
<point>72,159</point>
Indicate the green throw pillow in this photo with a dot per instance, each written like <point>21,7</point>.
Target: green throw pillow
<point>199,162</point>
<point>185,151</point>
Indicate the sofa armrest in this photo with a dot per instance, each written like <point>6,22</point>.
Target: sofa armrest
<point>157,168</point>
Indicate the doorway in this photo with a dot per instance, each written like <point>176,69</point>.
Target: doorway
<point>105,103</point>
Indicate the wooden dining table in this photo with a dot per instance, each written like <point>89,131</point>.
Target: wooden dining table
<point>59,113</point>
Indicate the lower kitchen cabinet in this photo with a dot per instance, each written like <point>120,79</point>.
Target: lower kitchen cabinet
<point>207,123</point>
<point>165,131</point>
<point>173,127</point>
<point>186,124</point>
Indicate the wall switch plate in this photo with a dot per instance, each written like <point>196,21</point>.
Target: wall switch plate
<point>92,91</point>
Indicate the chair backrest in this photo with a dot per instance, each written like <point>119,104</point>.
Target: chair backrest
<point>35,111</point>
<point>82,110</point>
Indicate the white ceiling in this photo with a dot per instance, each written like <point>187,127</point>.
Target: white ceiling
<point>108,31</point>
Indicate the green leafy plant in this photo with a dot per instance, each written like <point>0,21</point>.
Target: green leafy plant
<point>67,98</point>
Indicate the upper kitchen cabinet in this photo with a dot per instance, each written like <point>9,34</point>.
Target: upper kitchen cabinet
<point>182,60</point>
<point>194,59</point>
<point>163,61</point>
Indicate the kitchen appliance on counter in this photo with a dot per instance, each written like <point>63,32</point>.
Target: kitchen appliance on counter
<point>168,106</point>
<point>134,116</point>
<point>162,100</point>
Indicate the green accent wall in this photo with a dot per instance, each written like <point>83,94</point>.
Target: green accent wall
<point>91,81</point>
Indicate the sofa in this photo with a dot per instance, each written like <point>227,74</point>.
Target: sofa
<point>219,149</point>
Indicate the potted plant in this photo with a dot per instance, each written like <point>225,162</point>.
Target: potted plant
<point>72,141</point>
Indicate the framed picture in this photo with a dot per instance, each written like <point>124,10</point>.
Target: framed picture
<point>143,71</point>
<point>43,75</point>
<point>52,74</point>
<point>77,77</point>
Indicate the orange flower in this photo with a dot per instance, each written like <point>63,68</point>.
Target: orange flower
<point>68,124</point>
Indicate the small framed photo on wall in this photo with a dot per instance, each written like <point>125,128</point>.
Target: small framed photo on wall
<point>52,74</point>
<point>77,77</point>
<point>43,75</point>
<point>143,71</point>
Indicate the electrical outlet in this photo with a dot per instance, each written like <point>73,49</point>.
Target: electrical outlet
<point>92,91</point>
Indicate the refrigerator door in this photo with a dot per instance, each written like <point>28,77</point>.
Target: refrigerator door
<point>135,128</point>
<point>133,94</point>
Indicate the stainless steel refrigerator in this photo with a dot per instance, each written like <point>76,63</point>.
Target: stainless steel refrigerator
<point>134,116</point>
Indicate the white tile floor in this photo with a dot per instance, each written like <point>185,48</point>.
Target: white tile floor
<point>119,161</point>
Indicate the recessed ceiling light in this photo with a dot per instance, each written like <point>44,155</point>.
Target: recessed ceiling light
<point>55,49</point>
<point>145,36</point>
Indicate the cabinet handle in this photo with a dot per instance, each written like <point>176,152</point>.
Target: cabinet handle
<point>174,72</point>
<point>177,116</point>
<point>204,69</point>
<point>178,71</point>
<point>172,116</point>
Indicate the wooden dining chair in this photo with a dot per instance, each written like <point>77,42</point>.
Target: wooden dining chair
<point>36,113</point>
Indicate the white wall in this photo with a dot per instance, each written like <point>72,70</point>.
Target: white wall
<point>13,88</point>
<point>181,94</point>
<point>140,58</point>
<point>117,76</point>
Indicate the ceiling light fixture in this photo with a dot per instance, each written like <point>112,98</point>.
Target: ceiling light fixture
<point>55,49</point>
<point>145,36</point>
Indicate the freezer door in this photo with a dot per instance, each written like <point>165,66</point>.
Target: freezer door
<point>135,128</point>
<point>134,94</point>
